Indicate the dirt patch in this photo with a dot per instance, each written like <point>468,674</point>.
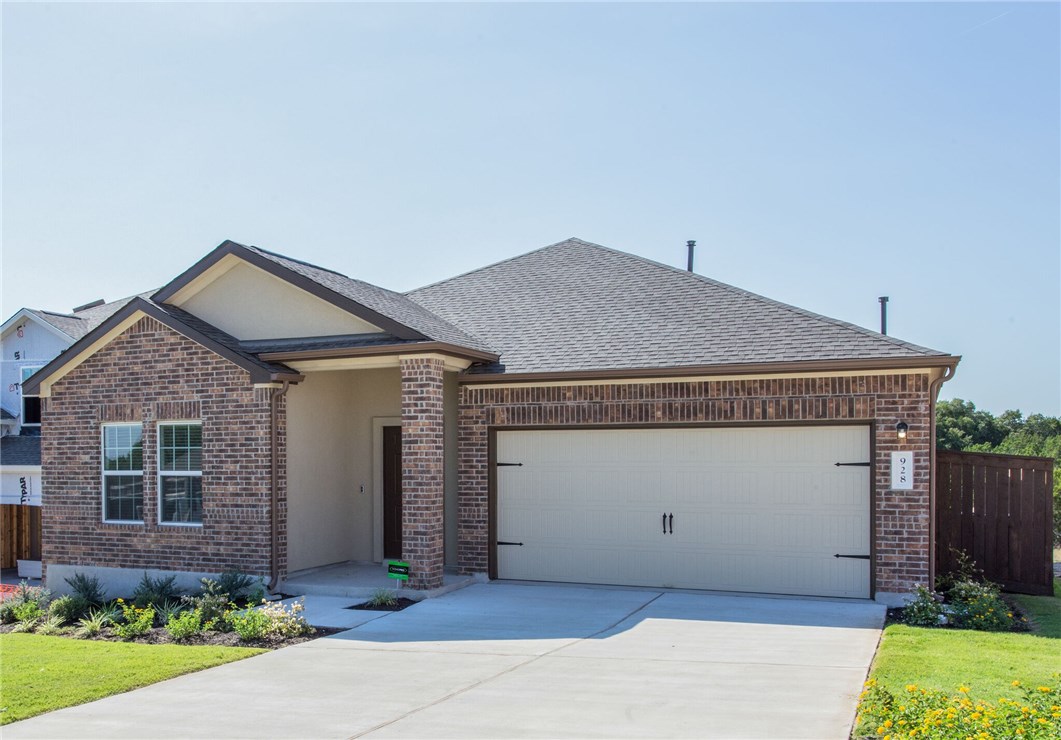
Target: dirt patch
<point>401,603</point>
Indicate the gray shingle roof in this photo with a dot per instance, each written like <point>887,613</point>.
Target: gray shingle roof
<point>80,323</point>
<point>393,305</point>
<point>349,341</point>
<point>20,450</point>
<point>577,306</point>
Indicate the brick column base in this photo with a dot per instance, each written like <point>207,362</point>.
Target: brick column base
<point>423,461</point>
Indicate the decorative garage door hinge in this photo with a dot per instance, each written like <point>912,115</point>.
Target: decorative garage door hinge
<point>519,465</point>
<point>857,465</point>
<point>502,542</point>
<point>854,557</point>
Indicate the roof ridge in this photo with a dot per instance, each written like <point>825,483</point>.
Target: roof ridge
<point>292,259</point>
<point>569,240</point>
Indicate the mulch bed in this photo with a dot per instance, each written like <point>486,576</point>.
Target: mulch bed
<point>895,616</point>
<point>402,603</point>
<point>159,636</point>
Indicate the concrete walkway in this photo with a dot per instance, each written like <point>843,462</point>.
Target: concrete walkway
<point>506,660</point>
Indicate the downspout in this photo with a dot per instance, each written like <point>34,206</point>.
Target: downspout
<point>933,394</point>
<point>274,514</point>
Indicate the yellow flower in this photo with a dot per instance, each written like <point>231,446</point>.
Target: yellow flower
<point>1042,721</point>
<point>1016,683</point>
<point>887,723</point>
<point>1044,689</point>
<point>911,687</point>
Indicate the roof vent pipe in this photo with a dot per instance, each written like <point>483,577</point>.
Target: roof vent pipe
<point>692,247</point>
<point>883,314</point>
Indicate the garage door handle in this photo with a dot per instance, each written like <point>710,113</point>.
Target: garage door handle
<point>501,542</point>
<point>671,518</point>
<point>855,557</point>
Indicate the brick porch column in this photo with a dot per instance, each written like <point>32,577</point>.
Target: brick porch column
<point>423,461</point>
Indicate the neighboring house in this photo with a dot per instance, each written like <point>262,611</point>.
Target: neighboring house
<point>29,340</point>
<point>573,414</point>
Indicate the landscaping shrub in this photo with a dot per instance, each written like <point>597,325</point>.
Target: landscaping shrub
<point>383,597</point>
<point>270,620</point>
<point>68,608</point>
<point>14,609</point>
<point>213,608</point>
<point>233,583</point>
<point>185,625</point>
<point>925,610</point>
<point>922,713</point>
<point>137,620</point>
<point>95,622</point>
<point>168,611</point>
<point>51,625</point>
<point>87,587</point>
<point>155,591</point>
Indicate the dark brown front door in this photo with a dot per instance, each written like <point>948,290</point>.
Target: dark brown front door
<point>392,492</point>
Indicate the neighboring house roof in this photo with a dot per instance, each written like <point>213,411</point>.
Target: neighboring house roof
<point>79,323</point>
<point>392,312</point>
<point>6,415</point>
<point>179,320</point>
<point>20,450</point>
<point>577,306</point>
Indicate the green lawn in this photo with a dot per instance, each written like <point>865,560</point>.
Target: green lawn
<point>986,662</point>
<point>39,674</point>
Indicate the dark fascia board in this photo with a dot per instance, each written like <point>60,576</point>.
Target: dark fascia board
<point>258,373</point>
<point>759,368</point>
<point>414,348</point>
<point>349,305</point>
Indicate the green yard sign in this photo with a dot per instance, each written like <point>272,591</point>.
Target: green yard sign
<point>398,569</point>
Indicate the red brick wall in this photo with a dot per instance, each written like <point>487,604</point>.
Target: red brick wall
<point>149,374</point>
<point>901,518</point>
<point>423,471</point>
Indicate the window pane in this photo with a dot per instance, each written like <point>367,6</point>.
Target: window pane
<point>180,447</point>
<point>123,497</point>
<point>182,499</point>
<point>123,448</point>
<point>31,410</point>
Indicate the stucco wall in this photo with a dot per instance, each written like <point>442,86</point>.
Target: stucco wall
<point>249,303</point>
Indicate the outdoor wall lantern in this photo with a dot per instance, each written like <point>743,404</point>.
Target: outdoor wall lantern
<point>901,429</point>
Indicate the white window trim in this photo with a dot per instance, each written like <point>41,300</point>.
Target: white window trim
<point>22,396</point>
<point>104,473</point>
<point>159,473</point>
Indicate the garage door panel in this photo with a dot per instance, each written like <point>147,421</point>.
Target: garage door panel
<point>755,509</point>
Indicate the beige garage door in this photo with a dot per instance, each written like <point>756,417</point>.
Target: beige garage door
<point>740,509</point>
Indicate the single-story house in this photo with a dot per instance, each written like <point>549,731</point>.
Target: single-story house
<point>572,414</point>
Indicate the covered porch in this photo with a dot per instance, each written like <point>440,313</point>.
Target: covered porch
<point>371,473</point>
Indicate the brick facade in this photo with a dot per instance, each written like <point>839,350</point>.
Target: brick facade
<point>901,519</point>
<point>150,374</point>
<point>423,470</point>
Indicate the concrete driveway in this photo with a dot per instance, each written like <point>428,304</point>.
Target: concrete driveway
<point>513,660</point>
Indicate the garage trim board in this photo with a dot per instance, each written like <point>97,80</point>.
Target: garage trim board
<point>763,509</point>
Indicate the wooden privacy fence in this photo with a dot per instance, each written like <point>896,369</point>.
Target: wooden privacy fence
<point>998,509</point>
<point>20,534</point>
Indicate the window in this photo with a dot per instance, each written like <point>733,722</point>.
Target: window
<point>31,405</point>
<point>123,473</point>
<point>180,473</point>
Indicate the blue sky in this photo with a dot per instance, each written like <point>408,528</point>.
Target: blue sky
<point>820,154</point>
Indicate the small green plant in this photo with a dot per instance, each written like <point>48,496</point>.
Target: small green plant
<point>155,591</point>
<point>185,625</point>
<point>925,610</point>
<point>383,597</point>
<point>96,621</point>
<point>68,608</point>
<point>29,611</point>
<point>257,594</point>
<point>51,625</point>
<point>249,624</point>
<point>87,587</point>
<point>167,611</point>
<point>138,621</point>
